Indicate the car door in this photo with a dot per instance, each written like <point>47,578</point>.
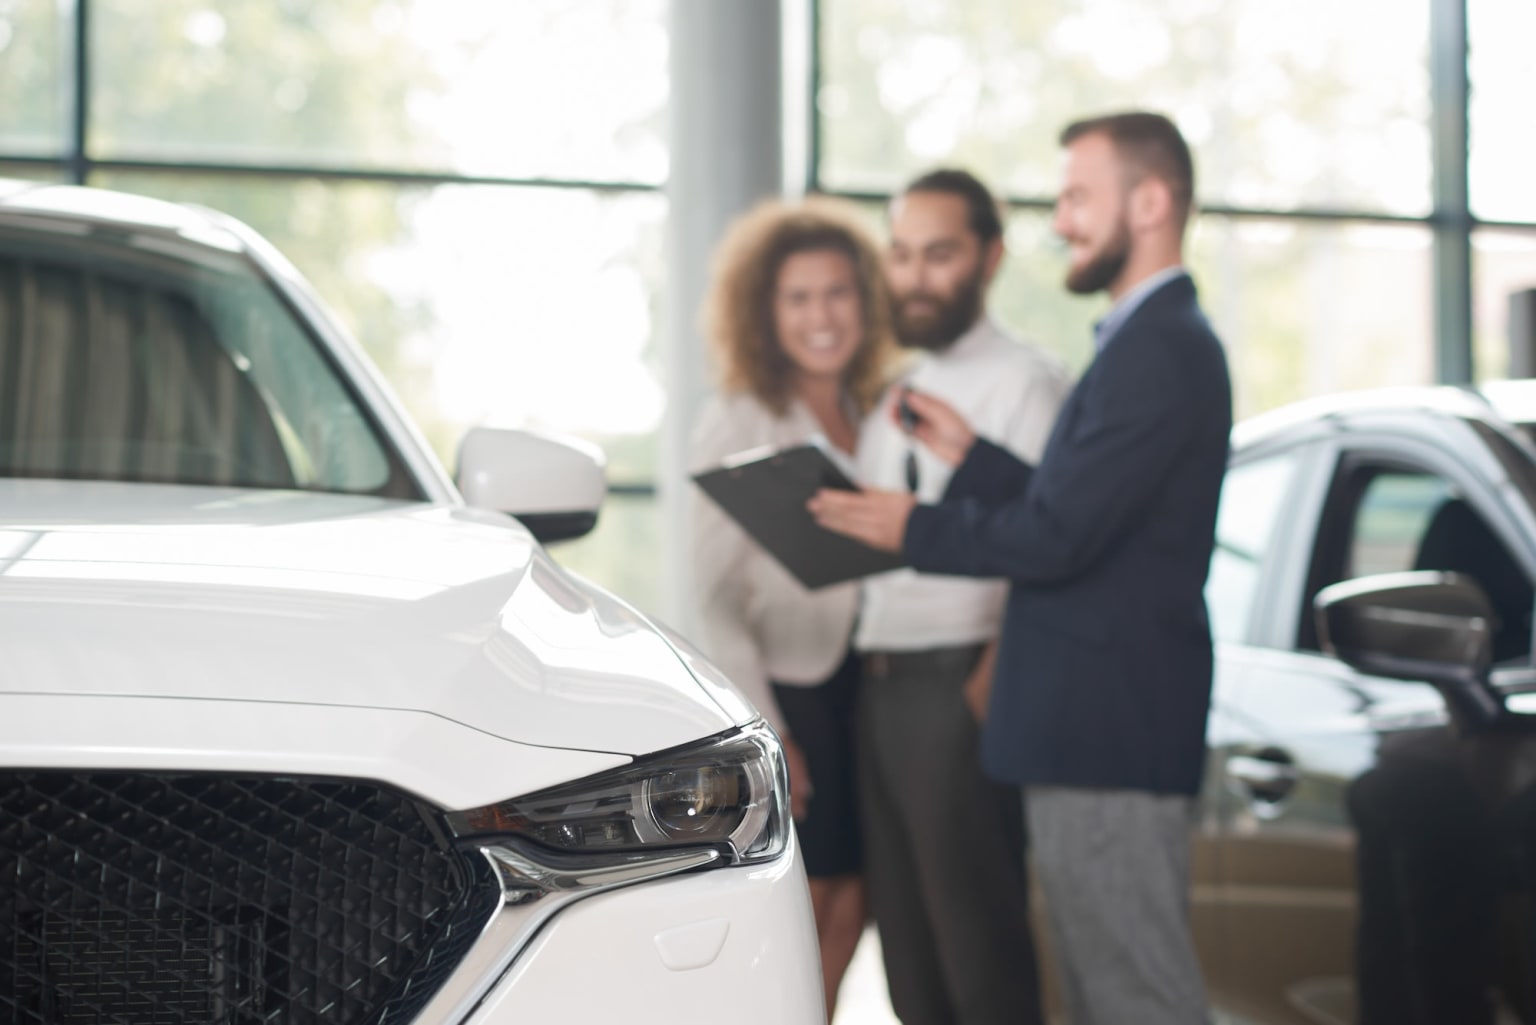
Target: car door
<point>1351,845</point>
<point>1276,753</point>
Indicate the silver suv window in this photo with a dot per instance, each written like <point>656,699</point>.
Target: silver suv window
<point>1252,496</point>
<point>140,356</point>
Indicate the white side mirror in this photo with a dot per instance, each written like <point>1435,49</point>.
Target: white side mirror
<point>553,483</point>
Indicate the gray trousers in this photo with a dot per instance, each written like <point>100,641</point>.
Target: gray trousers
<point>943,849</point>
<point>1113,866</point>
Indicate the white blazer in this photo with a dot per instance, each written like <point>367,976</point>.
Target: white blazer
<point>759,623</point>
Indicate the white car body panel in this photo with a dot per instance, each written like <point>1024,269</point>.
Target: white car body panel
<point>696,948</point>
<point>330,600</point>
<point>419,752</point>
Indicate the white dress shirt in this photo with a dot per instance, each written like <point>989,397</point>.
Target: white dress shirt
<point>1009,391</point>
<point>759,623</point>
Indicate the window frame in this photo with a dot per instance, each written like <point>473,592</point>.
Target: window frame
<point>1361,459</point>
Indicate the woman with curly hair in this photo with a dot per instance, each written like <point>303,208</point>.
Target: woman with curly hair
<point>799,324</point>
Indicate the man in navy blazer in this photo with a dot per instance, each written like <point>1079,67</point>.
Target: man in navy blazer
<point>1104,666</point>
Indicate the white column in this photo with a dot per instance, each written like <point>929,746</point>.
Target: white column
<point>726,154</point>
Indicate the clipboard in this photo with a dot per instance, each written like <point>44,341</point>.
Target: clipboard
<point>766,493</point>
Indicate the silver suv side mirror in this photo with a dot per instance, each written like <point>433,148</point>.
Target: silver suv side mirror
<point>554,484</point>
<point>1427,625</point>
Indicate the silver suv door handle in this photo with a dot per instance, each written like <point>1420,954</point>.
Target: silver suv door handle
<point>1268,776</point>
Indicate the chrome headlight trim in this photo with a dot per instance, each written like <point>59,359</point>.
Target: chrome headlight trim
<point>538,881</point>
<point>527,874</point>
<point>728,793</point>
<point>536,886</point>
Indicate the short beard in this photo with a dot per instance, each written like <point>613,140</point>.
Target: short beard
<point>1101,271</point>
<point>952,318</point>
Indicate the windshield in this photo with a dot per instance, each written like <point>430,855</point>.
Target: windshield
<point>143,356</point>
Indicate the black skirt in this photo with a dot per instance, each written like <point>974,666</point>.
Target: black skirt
<point>820,720</point>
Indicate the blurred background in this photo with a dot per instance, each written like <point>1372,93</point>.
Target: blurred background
<point>483,190</point>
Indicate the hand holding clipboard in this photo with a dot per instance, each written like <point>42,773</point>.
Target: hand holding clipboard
<point>767,495</point>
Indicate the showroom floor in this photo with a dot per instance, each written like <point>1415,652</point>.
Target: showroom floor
<point>863,1000</point>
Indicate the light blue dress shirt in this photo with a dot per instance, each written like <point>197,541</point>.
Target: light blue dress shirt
<point>1119,313</point>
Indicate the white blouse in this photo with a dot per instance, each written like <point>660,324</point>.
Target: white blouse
<point>759,623</point>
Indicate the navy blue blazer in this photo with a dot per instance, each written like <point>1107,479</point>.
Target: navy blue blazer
<point>1103,675</point>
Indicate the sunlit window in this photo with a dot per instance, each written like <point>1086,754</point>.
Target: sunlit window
<point>534,89</point>
<point>34,78</point>
<point>1316,256</point>
<point>1307,308</point>
<point>1503,116</point>
<point>1504,263</point>
<point>1305,104</point>
<point>32,172</point>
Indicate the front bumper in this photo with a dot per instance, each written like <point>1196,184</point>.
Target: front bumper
<point>736,944</point>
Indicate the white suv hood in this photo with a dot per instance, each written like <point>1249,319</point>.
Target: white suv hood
<point>292,599</point>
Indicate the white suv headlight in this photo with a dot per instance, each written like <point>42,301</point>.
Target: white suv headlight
<point>721,802</point>
<point>728,794</point>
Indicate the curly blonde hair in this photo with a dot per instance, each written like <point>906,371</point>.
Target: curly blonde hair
<point>738,314</point>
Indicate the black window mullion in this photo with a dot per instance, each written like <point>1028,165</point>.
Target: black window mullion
<point>77,160</point>
<point>1452,218</point>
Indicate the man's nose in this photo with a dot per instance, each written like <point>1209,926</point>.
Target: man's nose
<point>1059,220</point>
<point>899,278</point>
<point>922,276</point>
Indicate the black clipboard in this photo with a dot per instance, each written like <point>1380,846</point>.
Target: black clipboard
<point>767,496</point>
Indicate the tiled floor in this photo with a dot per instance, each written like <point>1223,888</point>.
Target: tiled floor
<point>863,1000</point>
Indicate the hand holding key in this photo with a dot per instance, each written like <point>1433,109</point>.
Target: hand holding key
<point>935,424</point>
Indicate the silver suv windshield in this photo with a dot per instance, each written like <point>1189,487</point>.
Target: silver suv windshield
<point>143,356</point>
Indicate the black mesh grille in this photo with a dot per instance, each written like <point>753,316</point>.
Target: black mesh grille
<point>163,900</point>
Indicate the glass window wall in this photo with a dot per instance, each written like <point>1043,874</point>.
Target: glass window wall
<point>1286,104</point>
<point>1504,262</point>
<point>1502,115</point>
<point>535,89</point>
<point>36,77</point>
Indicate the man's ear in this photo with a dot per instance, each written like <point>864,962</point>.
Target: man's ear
<point>991,260</point>
<point>1151,204</point>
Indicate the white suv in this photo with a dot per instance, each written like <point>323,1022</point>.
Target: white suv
<point>292,732</point>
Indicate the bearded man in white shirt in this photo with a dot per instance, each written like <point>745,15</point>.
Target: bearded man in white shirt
<point>944,845</point>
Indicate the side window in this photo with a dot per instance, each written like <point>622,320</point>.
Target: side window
<point>1392,519</point>
<point>1251,499</point>
<point>1394,513</point>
